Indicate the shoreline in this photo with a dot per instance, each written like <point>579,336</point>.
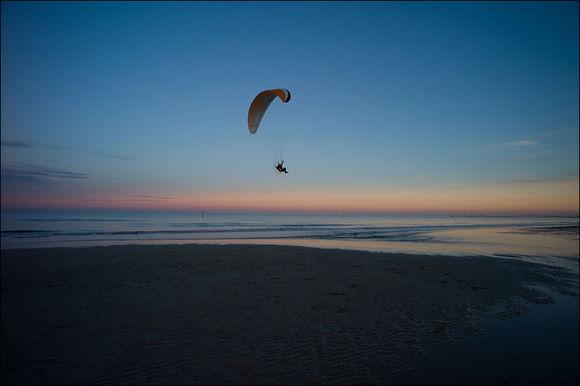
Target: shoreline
<point>566,262</point>
<point>207,313</point>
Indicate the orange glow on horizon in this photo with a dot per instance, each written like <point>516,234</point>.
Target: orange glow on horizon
<point>530,197</point>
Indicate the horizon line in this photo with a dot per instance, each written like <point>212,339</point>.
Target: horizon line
<point>208,211</point>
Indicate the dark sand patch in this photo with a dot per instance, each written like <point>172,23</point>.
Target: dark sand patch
<point>248,314</point>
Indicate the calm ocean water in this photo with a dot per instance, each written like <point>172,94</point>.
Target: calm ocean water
<point>552,238</point>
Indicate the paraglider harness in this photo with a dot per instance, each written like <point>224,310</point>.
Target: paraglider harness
<point>280,167</point>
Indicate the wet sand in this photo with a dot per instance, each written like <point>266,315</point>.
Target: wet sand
<point>209,314</point>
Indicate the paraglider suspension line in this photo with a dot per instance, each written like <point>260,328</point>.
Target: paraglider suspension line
<point>282,135</point>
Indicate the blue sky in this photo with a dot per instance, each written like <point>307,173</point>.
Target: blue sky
<point>150,99</point>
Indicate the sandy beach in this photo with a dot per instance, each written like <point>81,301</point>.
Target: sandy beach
<point>210,314</point>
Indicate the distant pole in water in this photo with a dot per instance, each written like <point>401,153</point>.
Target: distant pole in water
<point>202,214</point>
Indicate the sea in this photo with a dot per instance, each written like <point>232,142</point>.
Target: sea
<point>552,240</point>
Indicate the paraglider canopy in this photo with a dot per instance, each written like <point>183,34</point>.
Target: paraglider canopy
<point>261,103</point>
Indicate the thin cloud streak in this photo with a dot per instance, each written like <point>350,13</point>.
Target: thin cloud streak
<point>533,139</point>
<point>129,199</point>
<point>154,196</point>
<point>17,144</point>
<point>43,171</point>
<point>526,142</point>
<point>34,145</point>
<point>38,174</point>
<point>545,180</point>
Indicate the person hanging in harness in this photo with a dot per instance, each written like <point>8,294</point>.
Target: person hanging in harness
<point>280,167</point>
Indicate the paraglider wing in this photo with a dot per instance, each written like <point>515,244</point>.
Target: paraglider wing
<point>261,103</point>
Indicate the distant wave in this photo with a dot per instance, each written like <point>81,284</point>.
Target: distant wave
<point>423,235</point>
<point>415,233</point>
<point>26,231</point>
<point>572,230</point>
<point>225,224</point>
<point>334,231</point>
<point>71,219</point>
<point>302,231</point>
<point>162,229</point>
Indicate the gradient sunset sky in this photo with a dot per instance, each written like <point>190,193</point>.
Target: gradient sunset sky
<point>396,107</point>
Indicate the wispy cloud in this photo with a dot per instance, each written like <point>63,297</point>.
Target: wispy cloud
<point>153,196</point>
<point>533,140</point>
<point>35,145</point>
<point>562,178</point>
<point>522,143</point>
<point>131,198</point>
<point>16,144</point>
<point>37,174</point>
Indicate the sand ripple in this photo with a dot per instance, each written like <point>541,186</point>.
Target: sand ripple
<point>247,314</point>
